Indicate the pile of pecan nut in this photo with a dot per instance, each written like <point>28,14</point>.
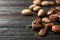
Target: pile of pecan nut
<point>53,16</point>
<point>47,23</point>
<point>41,20</point>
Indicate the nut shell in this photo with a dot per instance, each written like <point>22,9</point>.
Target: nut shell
<point>36,8</point>
<point>45,3</point>
<point>26,12</point>
<point>36,2</point>
<point>31,7</point>
<point>41,12</point>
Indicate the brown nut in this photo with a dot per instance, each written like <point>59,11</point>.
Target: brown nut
<point>48,25</point>
<point>45,3</point>
<point>56,28</point>
<point>26,12</point>
<point>52,3</point>
<point>57,8</point>
<point>42,32</point>
<point>37,21</point>
<point>41,12</point>
<point>31,7</point>
<point>36,2</point>
<point>54,17</point>
<point>58,1</point>
<point>58,15</point>
<point>46,20</point>
<point>51,11</point>
<point>36,26</point>
<point>36,8</point>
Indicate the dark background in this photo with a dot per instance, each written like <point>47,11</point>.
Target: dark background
<point>13,23</point>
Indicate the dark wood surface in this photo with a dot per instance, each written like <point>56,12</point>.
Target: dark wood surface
<point>13,23</point>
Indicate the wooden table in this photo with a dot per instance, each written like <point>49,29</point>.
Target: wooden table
<point>13,23</point>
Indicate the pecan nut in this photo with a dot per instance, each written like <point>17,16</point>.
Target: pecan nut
<point>36,26</point>
<point>52,3</point>
<point>54,17</point>
<point>57,8</point>
<point>48,25</point>
<point>37,21</point>
<point>56,28</point>
<point>51,11</point>
<point>58,1</point>
<point>42,32</point>
<point>46,20</point>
